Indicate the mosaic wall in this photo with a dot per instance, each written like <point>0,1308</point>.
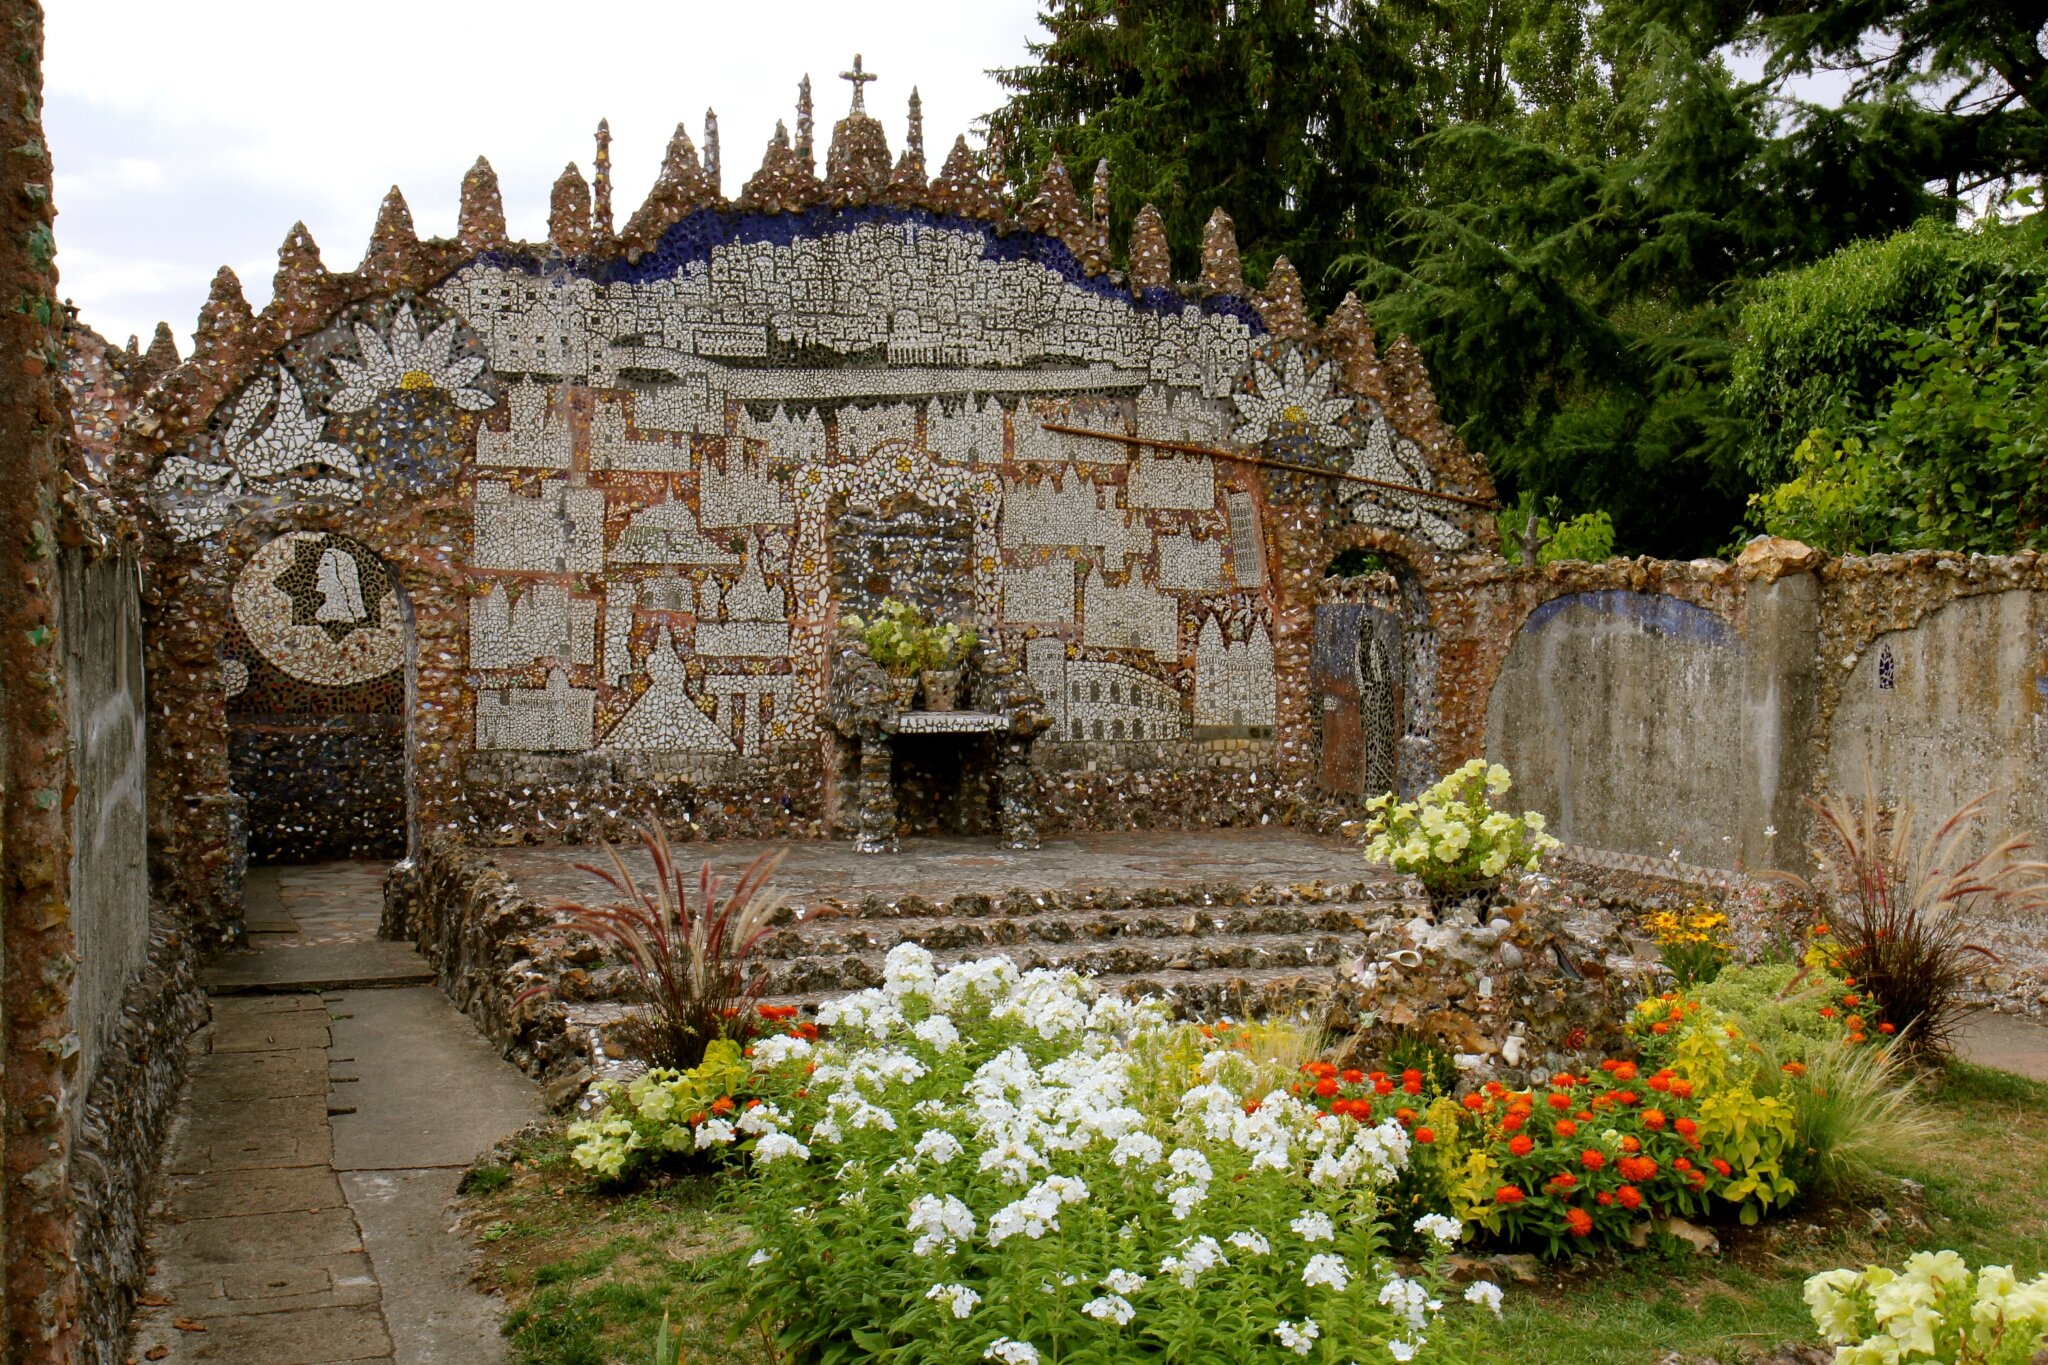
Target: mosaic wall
<point>630,483</point>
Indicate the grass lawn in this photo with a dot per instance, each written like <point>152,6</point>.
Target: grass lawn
<point>587,1277</point>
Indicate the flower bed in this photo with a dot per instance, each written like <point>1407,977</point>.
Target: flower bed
<point>983,1164</point>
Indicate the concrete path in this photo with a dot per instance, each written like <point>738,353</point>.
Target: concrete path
<point>304,1216</point>
<point>2008,1042</point>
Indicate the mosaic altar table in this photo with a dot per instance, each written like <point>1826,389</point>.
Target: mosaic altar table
<point>1014,786</point>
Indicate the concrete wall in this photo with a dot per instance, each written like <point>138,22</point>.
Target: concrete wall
<point>101,630</point>
<point>1620,714</point>
<point>1950,708</point>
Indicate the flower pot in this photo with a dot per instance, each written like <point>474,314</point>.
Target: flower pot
<point>1449,902</point>
<point>941,689</point>
<point>904,688</point>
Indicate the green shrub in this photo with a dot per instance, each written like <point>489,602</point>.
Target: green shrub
<point>1778,1007</point>
<point>1858,1116</point>
<point>1588,536</point>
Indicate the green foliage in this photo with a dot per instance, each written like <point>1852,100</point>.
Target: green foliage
<point>902,640</point>
<point>1856,1113</point>
<point>1588,536</point>
<point>653,1117</point>
<point>1820,345</point>
<point>1778,1007</point>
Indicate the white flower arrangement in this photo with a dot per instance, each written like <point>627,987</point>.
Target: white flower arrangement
<point>999,1145</point>
<point>1452,838</point>
<point>1932,1309</point>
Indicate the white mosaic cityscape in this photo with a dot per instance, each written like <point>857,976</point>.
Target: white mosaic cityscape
<point>652,504</point>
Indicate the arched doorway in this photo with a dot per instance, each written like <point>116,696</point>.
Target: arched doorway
<point>316,666</point>
<point>1372,680</point>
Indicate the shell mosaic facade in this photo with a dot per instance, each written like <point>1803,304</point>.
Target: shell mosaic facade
<point>573,514</point>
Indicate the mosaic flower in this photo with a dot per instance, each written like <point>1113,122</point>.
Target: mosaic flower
<point>1391,458</point>
<point>1287,400</point>
<point>409,360</point>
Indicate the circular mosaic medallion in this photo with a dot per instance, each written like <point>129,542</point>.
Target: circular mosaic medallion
<point>322,608</point>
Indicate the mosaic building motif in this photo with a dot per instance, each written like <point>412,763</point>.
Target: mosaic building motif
<point>639,453</point>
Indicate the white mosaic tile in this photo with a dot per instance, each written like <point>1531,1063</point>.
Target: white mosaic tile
<point>559,529</point>
<point>557,717</point>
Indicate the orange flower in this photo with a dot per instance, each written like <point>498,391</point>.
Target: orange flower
<point>1630,1196</point>
<point>1521,1144</point>
<point>1636,1168</point>
<point>1508,1194</point>
<point>1251,1105</point>
<point>1425,1136</point>
<point>1354,1077</point>
<point>1631,1145</point>
<point>1592,1160</point>
<point>1854,1022</point>
<point>1404,1116</point>
<point>1827,1011</point>
<point>1625,1071</point>
<point>1682,1164</point>
<point>1326,1087</point>
<point>1653,1119</point>
<point>1603,1199</point>
<point>1564,1080</point>
<point>1887,1028</point>
<point>1474,1102</point>
<point>1721,1168</point>
<point>1686,1127</point>
<point>1382,1086</point>
<point>1560,1101</point>
<point>722,1105</point>
<point>1564,1181</point>
<point>1794,1068</point>
<point>1660,1027</point>
<point>1661,1082</point>
<point>1852,1001</point>
<point>1565,1128</point>
<point>1512,1123</point>
<point>1682,1089</point>
<point>1579,1221</point>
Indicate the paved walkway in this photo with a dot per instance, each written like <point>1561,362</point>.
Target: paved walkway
<point>333,1105</point>
<point>2008,1042</point>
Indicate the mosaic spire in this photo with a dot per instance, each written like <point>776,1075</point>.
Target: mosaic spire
<point>1151,262</point>
<point>1221,271</point>
<point>393,244</point>
<point>480,223</point>
<point>163,348</point>
<point>806,150</point>
<point>224,318</point>
<point>569,212</point>
<point>711,166</point>
<point>302,279</point>
<point>679,190</point>
<point>601,214</point>
<point>1056,210</point>
<point>783,184</point>
<point>961,188</point>
<point>1281,304</point>
<point>914,142</point>
<point>1348,335</point>
<point>1094,253</point>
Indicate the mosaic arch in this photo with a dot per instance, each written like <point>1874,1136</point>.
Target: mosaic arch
<point>614,464</point>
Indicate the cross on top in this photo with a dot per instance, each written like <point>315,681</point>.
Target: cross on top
<point>859,79</point>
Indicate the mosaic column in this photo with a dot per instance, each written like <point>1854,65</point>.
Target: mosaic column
<point>876,818</point>
<point>1017,801</point>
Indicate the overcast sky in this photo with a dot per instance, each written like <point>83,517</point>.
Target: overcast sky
<point>188,134</point>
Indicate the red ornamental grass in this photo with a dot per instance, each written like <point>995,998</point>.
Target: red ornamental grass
<point>688,957</point>
<point>1903,906</point>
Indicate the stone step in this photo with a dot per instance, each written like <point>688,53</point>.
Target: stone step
<point>831,934</point>
<point>1019,903</point>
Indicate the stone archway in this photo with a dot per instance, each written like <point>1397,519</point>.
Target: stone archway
<point>315,658</point>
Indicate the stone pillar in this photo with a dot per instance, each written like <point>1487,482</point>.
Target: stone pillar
<point>1018,797</point>
<point>876,820</point>
<point>1781,647</point>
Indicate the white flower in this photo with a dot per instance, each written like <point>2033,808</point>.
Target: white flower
<point>1010,1352</point>
<point>1111,1308</point>
<point>1408,1299</point>
<point>938,1144</point>
<point>1484,1293</point>
<point>1313,1225</point>
<point>1444,1230</point>
<point>1327,1271</point>
<point>713,1133</point>
<point>1298,1337</point>
<point>1123,1281</point>
<point>938,1032</point>
<point>1183,1200</point>
<point>1251,1241</point>
<point>957,1297</point>
<point>909,970</point>
<point>776,1146</point>
<point>783,1047</point>
<point>941,1222</point>
<point>762,1257</point>
<point>1286,399</point>
<point>408,360</point>
<point>1404,1350</point>
<point>1142,1148</point>
<point>1197,1257</point>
